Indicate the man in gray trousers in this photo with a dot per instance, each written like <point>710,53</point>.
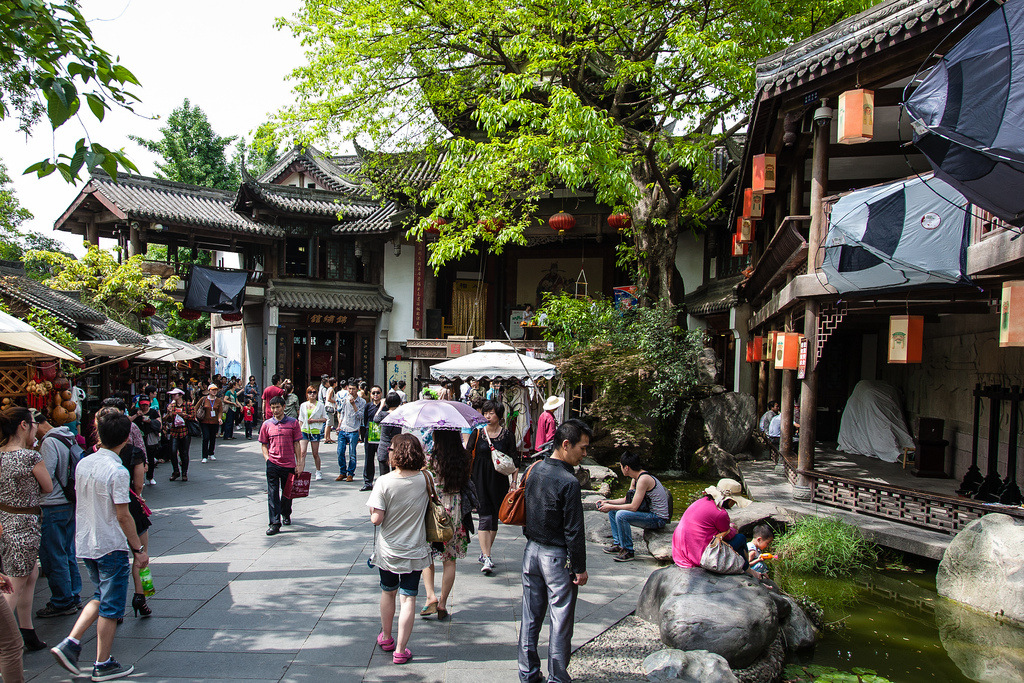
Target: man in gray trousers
<point>555,559</point>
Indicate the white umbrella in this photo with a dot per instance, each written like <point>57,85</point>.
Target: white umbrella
<point>174,349</point>
<point>493,360</point>
<point>434,414</point>
<point>20,334</point>
<point>111,348</point>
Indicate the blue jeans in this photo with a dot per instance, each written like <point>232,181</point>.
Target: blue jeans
<point>350,439</point>
<point>110,574</point>
<point>547,586</point>
<point>57,555</point>
<point>621,520</point>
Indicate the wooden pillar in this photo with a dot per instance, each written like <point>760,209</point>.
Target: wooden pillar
<point>134,241</point>
<point>773,382</point>
<point>92,232</point>
<point>762,387</point>
<point>809,385</point>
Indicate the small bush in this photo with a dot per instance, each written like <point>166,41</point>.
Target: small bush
<point>824,545</point>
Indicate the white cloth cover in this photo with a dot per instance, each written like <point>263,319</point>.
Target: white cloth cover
<point>873,423</point>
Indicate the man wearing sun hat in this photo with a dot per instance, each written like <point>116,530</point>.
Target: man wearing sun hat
<point>547,424</point>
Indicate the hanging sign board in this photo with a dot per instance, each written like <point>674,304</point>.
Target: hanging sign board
<point>1011,314</point>
<point>801,371</point>
<point>906,338</point>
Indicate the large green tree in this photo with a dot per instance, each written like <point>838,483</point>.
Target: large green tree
<point>192,152</point>
<point>49,64</point>
<point>14,242</point>
<point>512,100</point>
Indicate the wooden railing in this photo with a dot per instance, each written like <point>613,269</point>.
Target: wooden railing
<point>906,506</point>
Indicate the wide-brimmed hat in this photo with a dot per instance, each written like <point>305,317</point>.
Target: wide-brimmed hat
<point>553,402</point>
<point>727,489</point>
<point>175,391</point>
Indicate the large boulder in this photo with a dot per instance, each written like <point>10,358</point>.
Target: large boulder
<point>984,567</point>
<point>711,462</point>
<point>798,630</point>
<point>695,666</point>
<point>599,530</point>
<point>729,419</point>
<point>659,542</point>
<point>745,519</point>
<point>696,610</point>
<point>984,649</point>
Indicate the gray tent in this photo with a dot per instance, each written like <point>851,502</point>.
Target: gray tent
<point>215,290</point>
<point>903,234</point>
<point>968,114</point>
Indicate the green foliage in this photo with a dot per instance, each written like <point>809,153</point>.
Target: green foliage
<point>49,64</point>
<point>640,362</point>
<point>13,242</point>
<point>824,545</point>
<point>624,100</point>
<point>47,324</point>
<point>796,673</point>
<point>178,327</point>
<point>259,154</point>
<point>118,290</point>
<point>192,152</point>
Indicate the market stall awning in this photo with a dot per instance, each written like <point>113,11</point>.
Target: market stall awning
<point>172,350</point>
<point>111,348</point>
<point>493,361</point>
<point>21,335</point>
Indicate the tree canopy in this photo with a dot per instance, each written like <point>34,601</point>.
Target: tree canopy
<point>49,64</point>
<point>512,101</point>
<point>14,243</point>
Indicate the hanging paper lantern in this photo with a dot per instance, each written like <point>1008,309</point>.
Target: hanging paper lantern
<point>757,349</point>
<point>561,222</point>
<point>744,229</point>
<point>491,225</point>
<point>856,119</point>
<point>435,226</point>
<point>620,221</point>
<point>738,248</point>
<point>787,351</point>
<point>48,371</point>
<point>232,317</point>
<point>763,181</point>
<point>124,364</point>
<point>1011,314</point>
<point>189,314</point>
<point>906,338</point>
<point>768,346</point>
<point>147,311</point>
<point>753,204</point>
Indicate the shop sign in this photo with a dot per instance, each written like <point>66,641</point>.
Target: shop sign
<point>419,279</point>
<point>326,319</point>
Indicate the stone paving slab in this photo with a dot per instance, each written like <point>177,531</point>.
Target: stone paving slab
<point>234,605</point>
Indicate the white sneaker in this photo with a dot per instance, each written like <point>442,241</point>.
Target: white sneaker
<point>318,476</point>
<point>204,459</point>
<point>480,559</point>
<point>213,457</point>
<point>152,482</point>
<point>488,567</point>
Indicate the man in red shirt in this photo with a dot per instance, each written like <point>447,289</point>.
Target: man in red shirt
<point>279,437</point>
<point>269,393</point>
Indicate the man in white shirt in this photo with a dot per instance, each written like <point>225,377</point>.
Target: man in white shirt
<point>105,534</point>
<point>350,418</point>
<point>766,419</point>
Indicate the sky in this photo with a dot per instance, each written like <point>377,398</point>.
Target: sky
<point>223,55</point>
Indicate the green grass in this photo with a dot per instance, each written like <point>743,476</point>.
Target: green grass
<point>824,545</point>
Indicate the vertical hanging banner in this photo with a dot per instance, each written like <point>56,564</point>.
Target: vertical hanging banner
<point>801,371</point>
<point>419,278</point>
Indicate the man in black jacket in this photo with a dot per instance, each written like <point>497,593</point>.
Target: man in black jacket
<point>555,559</point>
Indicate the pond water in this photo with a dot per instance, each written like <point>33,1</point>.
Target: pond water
<point>897,625</point>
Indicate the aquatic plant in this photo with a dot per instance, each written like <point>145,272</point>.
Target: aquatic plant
<point>824,545</point>
<point>795,673</point>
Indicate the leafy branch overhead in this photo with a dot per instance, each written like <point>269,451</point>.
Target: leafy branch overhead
<point>49,64</point>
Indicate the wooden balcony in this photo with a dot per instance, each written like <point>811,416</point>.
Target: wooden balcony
<point>786,252</point>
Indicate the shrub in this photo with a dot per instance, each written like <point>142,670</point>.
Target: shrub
<point>824,545</point>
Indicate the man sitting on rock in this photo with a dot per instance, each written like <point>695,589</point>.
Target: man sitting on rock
<point>645,506</point>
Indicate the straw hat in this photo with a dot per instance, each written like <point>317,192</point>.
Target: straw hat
<point>553,402</point>
<point>727,489</point>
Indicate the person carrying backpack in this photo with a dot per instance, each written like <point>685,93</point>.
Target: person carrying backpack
<point>61,453</point>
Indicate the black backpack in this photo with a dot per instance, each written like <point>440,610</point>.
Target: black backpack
<point>76,453</point>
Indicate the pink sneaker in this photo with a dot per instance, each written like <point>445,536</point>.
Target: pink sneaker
<point>386,644</point>
<point>402,657</point>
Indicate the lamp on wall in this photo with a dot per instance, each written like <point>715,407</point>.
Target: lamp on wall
<point>398,247</point>
<point>856,120</point>
<point>358,249</point>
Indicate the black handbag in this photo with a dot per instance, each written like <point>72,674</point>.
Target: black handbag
<point>193,428</point>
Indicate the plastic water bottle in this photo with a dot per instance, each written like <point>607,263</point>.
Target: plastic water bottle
<point>147,582</point>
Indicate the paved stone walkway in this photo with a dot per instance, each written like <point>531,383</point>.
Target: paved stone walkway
<point>233,604</point>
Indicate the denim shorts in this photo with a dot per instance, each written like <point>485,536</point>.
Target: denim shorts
<point>110,574</point>
<point>406,584</point>
<point>309,436</point>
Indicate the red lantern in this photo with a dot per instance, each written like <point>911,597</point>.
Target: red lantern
<point>48,371</point>
<point>490,225</point>
<point>620,221</point>
<point>787,351</point>
<point>753,204</point>
<point>147,311</point>
<point>435,227</point>
<point>561,222</point>
<point>124,365</point>
<point>189,314</point>
<point>232,317</point>
<point>738,248</point>
<point>757,349</point>
<point>906,338</point>
<point>763,172</point>
<point>745,229</point>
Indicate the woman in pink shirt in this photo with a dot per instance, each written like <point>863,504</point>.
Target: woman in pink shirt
<point>706,518</point>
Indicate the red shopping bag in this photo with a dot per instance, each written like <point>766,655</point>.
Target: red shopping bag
<point>297,485</point>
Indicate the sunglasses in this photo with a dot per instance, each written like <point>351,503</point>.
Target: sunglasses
<point>375,392</point>
<point>310,393</point>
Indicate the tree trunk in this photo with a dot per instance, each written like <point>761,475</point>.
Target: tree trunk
<point>656,218</point>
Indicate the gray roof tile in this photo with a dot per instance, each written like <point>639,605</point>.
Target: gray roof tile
<point>346,299</point>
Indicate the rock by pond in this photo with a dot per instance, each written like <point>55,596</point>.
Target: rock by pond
<point>984,566</point>
<point>694,666</point>
<point>985,650</point>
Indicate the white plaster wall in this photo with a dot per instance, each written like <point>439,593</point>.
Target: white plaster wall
<point>398,282</point>
<point>690,260</point>
<point>254,351</point>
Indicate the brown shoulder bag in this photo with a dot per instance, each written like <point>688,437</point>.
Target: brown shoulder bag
<point>513,505</point>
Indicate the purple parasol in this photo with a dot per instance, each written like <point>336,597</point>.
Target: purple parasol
<point>431,414</point>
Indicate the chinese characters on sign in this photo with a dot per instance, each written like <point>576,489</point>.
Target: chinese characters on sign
<point>366,355</point>
<point>326,319</point>
<point>419,278</point>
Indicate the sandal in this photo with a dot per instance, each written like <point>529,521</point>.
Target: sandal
<point>386,644</point>
<point>442,614</point>
<point>402,657</point>
<point>428,609</point>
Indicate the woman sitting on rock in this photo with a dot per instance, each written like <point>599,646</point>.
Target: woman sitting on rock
<point>706,518</point>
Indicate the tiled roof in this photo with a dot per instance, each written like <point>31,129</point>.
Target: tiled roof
<point>305,201</point>
<point>715,297</point>
<point>37,295</point>
<point>343,298</point>
<point>141,197</point>
<point>339,174</point>
<point>853,37</point>
<point>112,330</point>
<point>378,222</point>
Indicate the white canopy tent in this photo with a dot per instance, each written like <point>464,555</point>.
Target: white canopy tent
<point>493,360</point>
<point>172,349</point>
<point>21,335</point>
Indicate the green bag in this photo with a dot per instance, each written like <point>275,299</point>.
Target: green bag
<point>373,432</point>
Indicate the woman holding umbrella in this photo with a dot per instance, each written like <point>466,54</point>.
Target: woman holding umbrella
<point>491,486</point>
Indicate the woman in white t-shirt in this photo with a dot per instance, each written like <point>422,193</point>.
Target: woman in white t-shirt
<point>312,418</point>
<point>398,506</point>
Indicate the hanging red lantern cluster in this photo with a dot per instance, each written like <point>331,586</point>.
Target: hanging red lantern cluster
<point>435,227</point>
<point>232,317</point>
<point>491,225</point>
<point>147,311</point>
<point>561,222</point>
<point>620,221</point>
<point>189,314</point>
